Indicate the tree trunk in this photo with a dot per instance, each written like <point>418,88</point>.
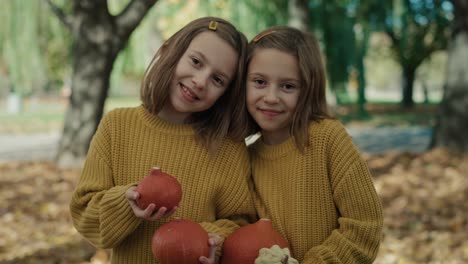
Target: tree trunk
<point>90,85</point>
<point>361,87</point>
<point>98,38</point>
<point>298,14</point>
<point>361,52</point>
<point>409,75</point>
<point>452,119</point>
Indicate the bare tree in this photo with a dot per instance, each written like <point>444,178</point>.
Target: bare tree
<point>452,120</point>
<point>98,37</point>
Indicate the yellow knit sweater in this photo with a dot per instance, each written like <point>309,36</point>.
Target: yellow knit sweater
<point>323,201</point>
<point>127,144</point>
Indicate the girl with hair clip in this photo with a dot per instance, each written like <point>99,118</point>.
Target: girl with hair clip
<point>309,178</point>
<point>185,126</point>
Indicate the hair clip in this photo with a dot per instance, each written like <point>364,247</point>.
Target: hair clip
<point>264,34</point>
<point>213,25</point>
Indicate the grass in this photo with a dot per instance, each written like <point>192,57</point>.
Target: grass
<point>114,102</point>
<point>35,116</point>
<point>30,122</point>
<point>47,114</point>
<point>381,114</point>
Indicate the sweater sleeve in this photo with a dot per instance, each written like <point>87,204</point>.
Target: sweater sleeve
<point>234,204</point>
<point>357,238</point>
<point>100,212</point>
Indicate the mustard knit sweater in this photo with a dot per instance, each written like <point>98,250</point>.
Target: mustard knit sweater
<point>323,201</point>
<point>127,144</point>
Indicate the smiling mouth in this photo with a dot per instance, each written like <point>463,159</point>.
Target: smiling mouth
<point>188,92</point>
<point>269,112</point>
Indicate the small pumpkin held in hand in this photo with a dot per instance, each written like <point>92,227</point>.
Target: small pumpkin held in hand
<point>243,245</point>
<point>180,241</point>
<point>160,189</point>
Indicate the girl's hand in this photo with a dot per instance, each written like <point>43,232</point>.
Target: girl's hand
<point>150,213</point>
<point>214,241</point>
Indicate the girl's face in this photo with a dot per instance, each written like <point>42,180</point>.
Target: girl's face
<point>201,76</point>
<point>273,86</point>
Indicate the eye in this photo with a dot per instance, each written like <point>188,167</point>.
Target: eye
<point>259,82</point>
<point>195,61</point>
<point>288,87</point>
<point>218,80</point>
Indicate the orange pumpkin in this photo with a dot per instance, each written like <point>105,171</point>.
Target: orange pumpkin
<point>159,188</point>
<point>180,241</point>
<point>243,245</point>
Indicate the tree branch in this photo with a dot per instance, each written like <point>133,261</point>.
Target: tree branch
<point>65,19</point>
<point>132,15</point>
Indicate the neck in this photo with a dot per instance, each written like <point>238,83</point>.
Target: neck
<point>172,116</point>
<point>271,138</point>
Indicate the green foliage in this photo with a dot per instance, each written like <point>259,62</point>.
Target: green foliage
<point>334,24</point>
<point>417,29</point>
<point>133,60</point>
<point>249,16</point>
<point>55,39</point>
<point>254,16</point>
<point>34,46</point>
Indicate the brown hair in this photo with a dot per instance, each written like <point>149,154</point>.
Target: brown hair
<point>213,124</point>
<point>311,105</point>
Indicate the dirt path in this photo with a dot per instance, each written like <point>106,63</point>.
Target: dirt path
<point>28,147</point>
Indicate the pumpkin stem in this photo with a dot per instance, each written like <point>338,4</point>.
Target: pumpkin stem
<point>285,259</point>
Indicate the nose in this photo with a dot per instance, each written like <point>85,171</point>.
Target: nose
<point>270,96</point>
<point>200,80</point>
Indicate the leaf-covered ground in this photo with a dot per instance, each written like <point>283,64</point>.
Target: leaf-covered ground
<point>424,198</point>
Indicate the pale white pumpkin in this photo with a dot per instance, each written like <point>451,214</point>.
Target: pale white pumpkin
<point>275,255</point>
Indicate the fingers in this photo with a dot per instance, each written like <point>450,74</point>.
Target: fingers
<point>205,260</point>
<point>213,248</point>
<point>149,213</point>
<point>132,194</point>
<point>211,258</point>
<point>169,213</point>
<point>214,241</point>
<point>153,216</point>
<point>134,207</point>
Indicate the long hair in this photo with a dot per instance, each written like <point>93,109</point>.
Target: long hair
<point>213,124</point>
<point>311,105</point>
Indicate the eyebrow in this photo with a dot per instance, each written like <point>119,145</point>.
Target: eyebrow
<point>282,79</point>
<point>292,80</point>
<point>226,76</point>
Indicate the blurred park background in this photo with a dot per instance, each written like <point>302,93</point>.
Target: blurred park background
<point>397,78</point>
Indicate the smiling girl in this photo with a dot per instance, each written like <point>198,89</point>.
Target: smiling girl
<point>309,177</point>
<point>187,127</point>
